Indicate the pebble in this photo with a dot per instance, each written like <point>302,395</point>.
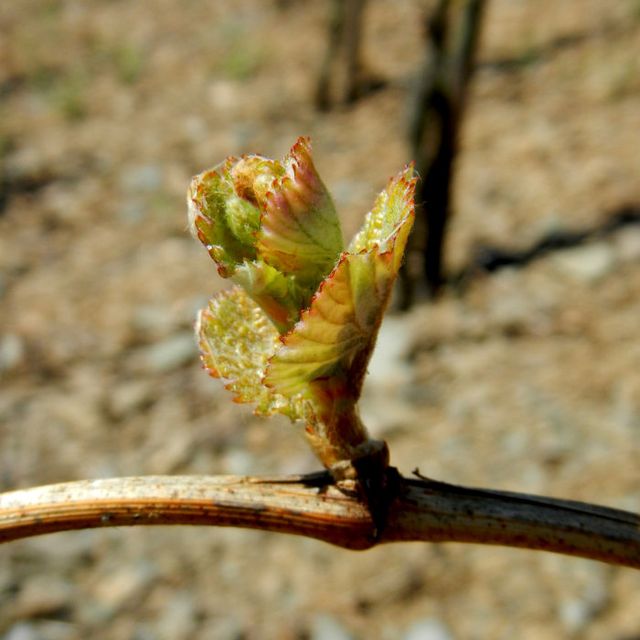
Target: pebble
<point>155,319</point>
<point>326,627</point>
<point>586,264</point>
<point>577,613</point>
<point>178,618</point>
<point>70,550</point>
<point>172,353</point>
<point>26,161</point>
<point>11,352</point>
<point>428,629</point>
<point>42,630</point>
<point>384,414</point>
<point>22,631</point>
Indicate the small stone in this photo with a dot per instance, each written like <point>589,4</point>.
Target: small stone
<point>57,630</point>
<point>22,631</point>
<point>574,615</point>
<point>170,354</point>
<point>194,127</point>
<point>41,629</point>
<point>428,629</point>
<point>586,264</point>
<point>11,352</point>
<point>577,613</point>
<point>69,551</point>
<point>178,619</point>
<point>326,627</point>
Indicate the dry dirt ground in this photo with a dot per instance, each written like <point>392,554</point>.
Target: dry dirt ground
<point>528,379</point>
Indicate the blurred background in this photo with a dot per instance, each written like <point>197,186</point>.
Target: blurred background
<point>522,374</point>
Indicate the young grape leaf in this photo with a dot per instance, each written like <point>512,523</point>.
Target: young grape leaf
<point>323,358</point>
<point>269,226</point>
<point>299,229</point>
<point>236,340</point>
<point>221,220</point>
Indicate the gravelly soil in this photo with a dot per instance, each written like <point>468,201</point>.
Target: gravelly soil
<point>528,379</point>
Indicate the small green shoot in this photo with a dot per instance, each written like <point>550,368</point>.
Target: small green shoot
<point>295,334</point>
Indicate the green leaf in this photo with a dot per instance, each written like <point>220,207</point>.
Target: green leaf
<point>225,223</point>
<point>385,225</point>
<point>279,296</point>
<point>299,230</point>
<point>333,341</point>
<point>253,177</point>
<point>236,340</point>
<point>336,330</point>
<point>270,226</point>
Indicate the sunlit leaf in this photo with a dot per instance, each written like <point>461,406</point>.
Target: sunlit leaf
<point>222,221</point>
<point>299,230</point>
<point>270,226</point>
<point>236,340</point>
<point>385,225</point>
<point>335,337</point>
<point>279,296</point>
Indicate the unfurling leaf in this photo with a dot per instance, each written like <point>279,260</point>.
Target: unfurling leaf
<point>236,339</point>
<point>269,226</point>
<point>323,359</point>
<point>298,342</point>
<point>300,232</point>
